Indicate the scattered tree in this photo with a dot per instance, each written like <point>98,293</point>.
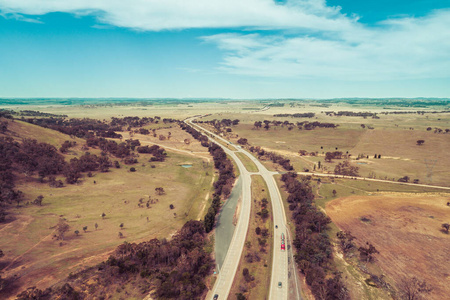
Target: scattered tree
<point>117,164</point>
<point>413,289</point>
<point>345,168</point>
<point>121,225</point>
<point>38,200</point>
<point>367,253</point>
<point>103,215</point>
<point>242,141</point>
<point>120,235</point>
<point>85,228</point>
<point>171,206</point>
<point>445,227</point>
<point>96,226</point>
<point>160,191</point>
<point>77,232</point>
<point>345,240</point>
<point>404,179</point>
<point>61,228</point>
<point>240,296</point>
<point>420,142</point>
<point>334,193</point>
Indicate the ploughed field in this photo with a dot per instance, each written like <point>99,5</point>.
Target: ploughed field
<point>406,230</point>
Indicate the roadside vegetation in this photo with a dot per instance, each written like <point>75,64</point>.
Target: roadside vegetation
<point>253,274</point>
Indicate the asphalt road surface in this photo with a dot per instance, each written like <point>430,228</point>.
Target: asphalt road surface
<point>279,286</point>
<point>228,270</point>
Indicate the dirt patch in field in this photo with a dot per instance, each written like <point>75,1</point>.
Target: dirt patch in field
<point>406,231</point>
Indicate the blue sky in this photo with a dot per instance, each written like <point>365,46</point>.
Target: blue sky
<point>227,49</point>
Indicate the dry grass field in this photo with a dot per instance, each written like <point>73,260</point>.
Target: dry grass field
<point>405,229</point>
<point>167,110</point>
<point>400,154</point>
<point>34,258</point>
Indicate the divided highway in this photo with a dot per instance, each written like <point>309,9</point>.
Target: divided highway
<point>279,278</point>
<point>228,271</point>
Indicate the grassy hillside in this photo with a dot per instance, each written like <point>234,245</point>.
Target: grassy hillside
<point>37,259</point>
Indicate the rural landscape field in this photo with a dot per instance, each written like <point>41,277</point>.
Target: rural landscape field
<point>224,149</point>
<point>86,188</point>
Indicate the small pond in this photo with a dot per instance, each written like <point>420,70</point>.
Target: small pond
<point>186,166</point>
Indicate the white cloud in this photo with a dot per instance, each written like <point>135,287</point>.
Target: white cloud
<point>19,17</point>
<point>180,14</point>
<point>316,41</point>
<point>396,49</point>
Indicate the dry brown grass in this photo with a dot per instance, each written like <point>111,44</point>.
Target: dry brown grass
<point>400,155</point>
<point>38,260</point>
<point>405,228</point>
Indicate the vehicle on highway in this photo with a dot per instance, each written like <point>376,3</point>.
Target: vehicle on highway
<point>216,297</point>
<point>283,247</point>
<point>276,226</point>
<point>279,284</point>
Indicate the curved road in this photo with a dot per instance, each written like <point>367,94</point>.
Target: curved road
<point>228,270</point>
<point>280,257</point>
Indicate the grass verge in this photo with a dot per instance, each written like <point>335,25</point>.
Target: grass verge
<point>257,254</point>
<point>249,165</point>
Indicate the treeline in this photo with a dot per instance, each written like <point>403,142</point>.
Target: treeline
<point>119,150</point>
<point>224,184</point>
<point>438,130</point>
<point>81,128</point>
<point>84,164</point>
<point>274,157</point>
<point>174,269</point>
<point>87,128</point>
<point>221,123</point>
<point>419,112</point>
<point>297,115</point>
<point>352,114</point>
<point>300,125</point>
<point>313,247</point>
<point>139,122</point>
<point>313,125</point>
<point>203,139</point>
<point>125,150</point>
<point>29,113</point>
<point>158,153</point>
